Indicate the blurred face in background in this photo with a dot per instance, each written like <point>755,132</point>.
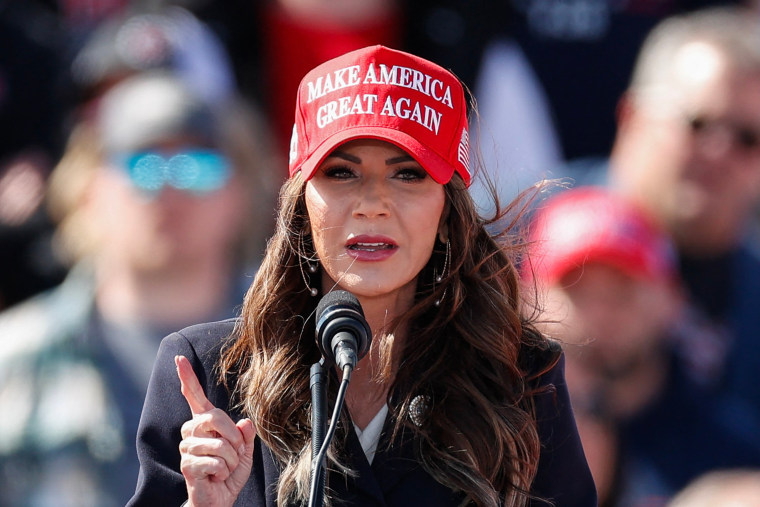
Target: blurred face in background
<point>691,151</point>
<point>169,207</point>
<point>612,326</point>
<point>610,320</point>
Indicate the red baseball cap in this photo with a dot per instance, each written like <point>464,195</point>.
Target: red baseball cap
<point>381,93</point>
<point>593,224</point>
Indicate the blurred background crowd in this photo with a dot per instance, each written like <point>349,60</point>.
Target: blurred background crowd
<point>142,144</point>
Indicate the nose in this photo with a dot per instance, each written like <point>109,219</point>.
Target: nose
<point>373,199</point>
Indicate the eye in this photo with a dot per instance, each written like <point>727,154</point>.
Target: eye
<point>339,172</point>
<point>411,174</point>
<point>698,123</point>
<point>747,138</point>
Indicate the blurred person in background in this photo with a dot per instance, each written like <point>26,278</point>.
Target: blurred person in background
<point>56,60</point>
<point>608,286</point>
<point>164,204</point>
<point>722,488</point>
<point>582,53</point>
<point>297,35</point>
<point>32,98</point>
<point>688,151</point>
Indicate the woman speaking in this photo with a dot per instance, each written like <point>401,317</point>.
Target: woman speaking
<point>458,401</point>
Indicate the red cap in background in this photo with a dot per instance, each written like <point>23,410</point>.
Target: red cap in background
<point>593,224</point>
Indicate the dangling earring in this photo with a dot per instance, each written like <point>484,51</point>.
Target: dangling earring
<point>444,273</point>
<point>311,266</point>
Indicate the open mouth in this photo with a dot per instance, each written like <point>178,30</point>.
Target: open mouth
<point>370,247</point>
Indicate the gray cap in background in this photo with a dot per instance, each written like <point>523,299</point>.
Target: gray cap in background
<point>170,38</point>
<point>148,109</point>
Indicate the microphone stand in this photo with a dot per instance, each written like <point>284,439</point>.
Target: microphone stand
<point>318,418</point>
<point>343,336</point>
<point>318,473</point>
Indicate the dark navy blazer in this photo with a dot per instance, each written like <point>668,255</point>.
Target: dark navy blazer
<point>395,477</point>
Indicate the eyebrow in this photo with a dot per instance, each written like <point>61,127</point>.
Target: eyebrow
<point>356,160</point>
<point>399,159</point>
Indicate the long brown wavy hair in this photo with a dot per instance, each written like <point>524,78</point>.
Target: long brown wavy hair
<point>462,389</point>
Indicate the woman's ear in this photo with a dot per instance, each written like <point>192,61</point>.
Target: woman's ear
<point>443,224</point>
<point>443,232</point>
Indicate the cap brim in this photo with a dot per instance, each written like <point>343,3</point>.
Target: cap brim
<point>631,264</point>
<point>435,165</point>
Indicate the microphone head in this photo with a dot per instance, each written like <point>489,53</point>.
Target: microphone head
<point>341,298</point>
<point>340,311</point>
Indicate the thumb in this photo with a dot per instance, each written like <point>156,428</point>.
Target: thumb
<point>240,475</point>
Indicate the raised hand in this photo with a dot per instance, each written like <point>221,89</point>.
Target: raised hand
<point>217,453</point>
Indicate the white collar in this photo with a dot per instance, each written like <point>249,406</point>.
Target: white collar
<point>370,436</point>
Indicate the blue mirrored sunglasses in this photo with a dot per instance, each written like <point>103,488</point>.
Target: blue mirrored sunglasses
<point>196,171</point>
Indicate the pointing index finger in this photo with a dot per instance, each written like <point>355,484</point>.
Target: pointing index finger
<point>191,387</point>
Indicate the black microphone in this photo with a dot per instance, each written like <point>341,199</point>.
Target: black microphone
<point>342,332</point>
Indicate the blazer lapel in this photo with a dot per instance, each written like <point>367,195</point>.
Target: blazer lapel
<point>363,489</point>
